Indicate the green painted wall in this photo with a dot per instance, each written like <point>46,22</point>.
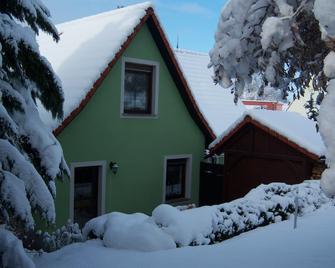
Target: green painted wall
<point>137,145</point>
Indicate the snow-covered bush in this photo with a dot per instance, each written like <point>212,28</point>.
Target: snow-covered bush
<point>52,240</point>
<point>266,204</point>
<point>134,231</point>
<point>187,227</point>
<point>67,234</point>
<point>12,254</point>
<point>169,227</point>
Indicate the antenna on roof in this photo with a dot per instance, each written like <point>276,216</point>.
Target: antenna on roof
<point>177,41</point>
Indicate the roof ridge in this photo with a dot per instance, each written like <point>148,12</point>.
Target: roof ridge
<point>146,5</point>
<point>187,51</point>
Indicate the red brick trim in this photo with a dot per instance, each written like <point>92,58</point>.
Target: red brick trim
<point>175,69</point>
<point>248,120</point>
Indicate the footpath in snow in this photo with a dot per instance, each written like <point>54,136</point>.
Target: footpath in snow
<point>278,245</point>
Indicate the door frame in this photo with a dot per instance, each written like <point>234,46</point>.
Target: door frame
<point>101,185</point>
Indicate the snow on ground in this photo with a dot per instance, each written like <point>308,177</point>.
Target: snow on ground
<point>277,245</point>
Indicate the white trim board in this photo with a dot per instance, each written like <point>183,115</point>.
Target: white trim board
<point>101,185</point>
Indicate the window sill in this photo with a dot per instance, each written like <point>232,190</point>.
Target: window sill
<point>178,201</point>
<point>139,116</point>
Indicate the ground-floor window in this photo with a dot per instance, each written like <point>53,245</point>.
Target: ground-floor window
<point>177,178</point>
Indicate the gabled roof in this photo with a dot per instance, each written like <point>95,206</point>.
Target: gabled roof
<point>215,102</point>
<point>89,48</point>
<point>289,127</point>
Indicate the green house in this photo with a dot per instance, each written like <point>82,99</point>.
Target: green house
<point>132,134</point>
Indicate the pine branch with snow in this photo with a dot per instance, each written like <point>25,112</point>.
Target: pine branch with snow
<point>31,159</point>
<point>280,41</point>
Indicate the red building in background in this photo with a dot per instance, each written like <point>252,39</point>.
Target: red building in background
<point>262,104</point>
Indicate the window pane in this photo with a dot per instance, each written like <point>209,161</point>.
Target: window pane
<point>137,89</point>
<point>175,179</point>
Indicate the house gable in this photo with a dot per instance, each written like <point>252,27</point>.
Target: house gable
<point>151,21</point>
<point>290,128</point>
<point>240,129</point>
<point>252,138</point>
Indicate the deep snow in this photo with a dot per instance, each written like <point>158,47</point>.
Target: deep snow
<point>276,245</point>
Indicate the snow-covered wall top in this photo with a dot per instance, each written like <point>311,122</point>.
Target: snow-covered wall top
<point>215,102</point>
<point>293,126</point>
<point>85,49</point>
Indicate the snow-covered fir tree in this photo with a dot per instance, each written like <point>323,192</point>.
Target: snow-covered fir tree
<point>290,45</point>
<point>30,156</point>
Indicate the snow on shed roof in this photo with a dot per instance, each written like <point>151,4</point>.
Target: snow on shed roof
<point>294,127</point>
<point>85,49</point>
<point>215,102</point>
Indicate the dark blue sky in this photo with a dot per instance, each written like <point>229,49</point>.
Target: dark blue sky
<point>194,21</point>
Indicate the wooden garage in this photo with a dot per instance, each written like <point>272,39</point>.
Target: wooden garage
<point>267,146</point>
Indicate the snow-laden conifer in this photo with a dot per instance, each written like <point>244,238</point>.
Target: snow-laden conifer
<point>30,156</point>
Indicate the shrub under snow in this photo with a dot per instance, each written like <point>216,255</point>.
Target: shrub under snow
<point>12,254</point>
<point>186,227</point>
<point>135,231</point>
<point>169,227</point>
<point>51,241</point>
<point>266,204</point>
<point>67,234</point>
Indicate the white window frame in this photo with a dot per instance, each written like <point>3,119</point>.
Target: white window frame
<point>188,177</point>
<point>155,87</point>
<point>101,185</point>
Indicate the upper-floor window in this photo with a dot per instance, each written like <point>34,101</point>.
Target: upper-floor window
<point>140,85</point>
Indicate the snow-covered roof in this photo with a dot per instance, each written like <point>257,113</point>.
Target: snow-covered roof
<point>85,49</point>
<point>215,102</point>
<point>88,49</point>
<point>290,125</point>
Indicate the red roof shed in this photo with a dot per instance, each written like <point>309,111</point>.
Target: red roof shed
<point>265,146</point>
